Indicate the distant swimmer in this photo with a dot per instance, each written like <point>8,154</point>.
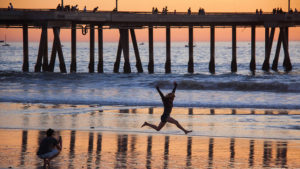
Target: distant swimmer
<point>49,148</point>
<point>168,105</point>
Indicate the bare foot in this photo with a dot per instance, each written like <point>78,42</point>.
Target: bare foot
<point>188,131</point>
<point>145,123</point>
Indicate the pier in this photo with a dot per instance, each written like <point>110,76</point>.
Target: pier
<point>127,22</point>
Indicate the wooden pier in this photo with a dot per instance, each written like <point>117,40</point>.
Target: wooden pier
<point>127,22</point>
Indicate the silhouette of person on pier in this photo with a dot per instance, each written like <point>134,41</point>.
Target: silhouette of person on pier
<point>168,105</point>
<point>49,147</point>
<point>10,7</point>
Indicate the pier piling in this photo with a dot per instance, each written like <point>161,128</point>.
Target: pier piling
<point>287,62</point>
<point>25,66</point>
<point>125,46</point>
<point>118,57</point>
<point>53,54</point>
<point>73,66</point>
<point>92,49</point>
<point>253,62</point>
<point>139,66</point>
<point>234,62</point>
<point>268,48</point>
<point>45,52</point>
<point>212,50</point>
<point>191,45</point>
<point>168,50</point>
<point>62,64</point>
<point>100,49</point>
<point>151,59</point>
<point>276,58</point>
<point>39,60</point>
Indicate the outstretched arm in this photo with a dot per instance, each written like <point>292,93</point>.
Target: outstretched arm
<point>175,86</point>
<point>160,93</point>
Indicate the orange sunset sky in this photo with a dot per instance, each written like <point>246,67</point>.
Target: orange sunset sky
<point>222,34</point>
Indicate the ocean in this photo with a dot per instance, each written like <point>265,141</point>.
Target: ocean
<point>224,89</point>
<point>239,120</point>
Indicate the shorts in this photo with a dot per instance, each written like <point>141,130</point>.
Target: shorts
<point>50,154</point>
<point>164,118</point>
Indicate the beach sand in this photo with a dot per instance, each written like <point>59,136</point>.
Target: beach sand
<point>110,137</point>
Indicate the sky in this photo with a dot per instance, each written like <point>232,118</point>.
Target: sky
<point>222,34</point>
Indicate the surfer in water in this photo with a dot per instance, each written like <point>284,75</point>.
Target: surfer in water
<point>165,117</point>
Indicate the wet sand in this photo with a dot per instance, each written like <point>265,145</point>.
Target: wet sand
<point>88,149</point>
<point>110,137</point>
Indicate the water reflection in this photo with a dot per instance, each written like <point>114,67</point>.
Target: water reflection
<point>149,152</point>
<point>189,152</point>
<point>281,154</point>
<point>121,154</point>
<point>166,152</point>
<point>251,154</point>
<point>210,152</point>
<point>90,149</point>
<point>99,148</point>
<point>129,151</point>
<point>232,152</point>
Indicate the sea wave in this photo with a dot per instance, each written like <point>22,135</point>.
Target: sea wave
<point>233,85</point>
<point>103,102</point>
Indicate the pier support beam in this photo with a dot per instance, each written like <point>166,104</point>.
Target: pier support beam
<point>212,50</point>
<point>268,47</point>
<point>191,46</point>
<point>118,58</point>
<point>53,54</point>
<point>73,49</point>
<point>41,52</point>
<point>139,66</point>
<point>100,49</point>
<point>45,53</point>
<point>25,66</point>
<point>276,58</point>
<point>233,61</point>
<point>56,48</point>
<point>125,46</point>
<point>62,64</point>
<point>92,49</point>
<point>252,62</point>
<point>168,50</point>
<point>287,62</point>
<point>151,59</point>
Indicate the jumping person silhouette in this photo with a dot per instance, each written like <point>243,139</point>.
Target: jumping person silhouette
<point>168,105</point>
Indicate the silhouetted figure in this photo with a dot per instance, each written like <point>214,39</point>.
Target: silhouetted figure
<point>168,105</point>
<point>67,8</point>
<point>260,11</point>
<point>165,10</point>
<point>296,11</point>
<point>84,9</point>
<point>74,8</point>
<point>10,7</point>
<point>49,148</point>
<point>201,11</point>
<point>175,12</point>
<point>256,11</point>
<point>95,9</point>
<point>58,8</point>
<point>189,11</point>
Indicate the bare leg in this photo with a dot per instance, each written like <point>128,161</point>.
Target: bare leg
<point>157,128</point>
<point>173,121</point>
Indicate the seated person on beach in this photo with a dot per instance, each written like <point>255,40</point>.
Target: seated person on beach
<point>49,148</point>
<point>168,105</point>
